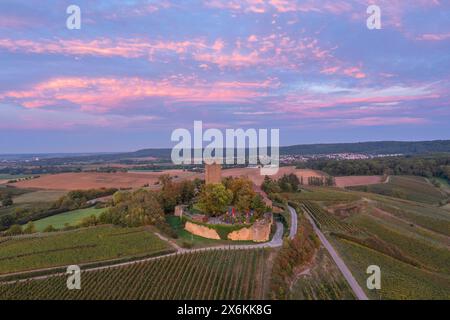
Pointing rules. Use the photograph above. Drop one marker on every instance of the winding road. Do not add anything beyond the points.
(359, 292)
(293, 229)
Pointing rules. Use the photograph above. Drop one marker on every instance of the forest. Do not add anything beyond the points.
(426, 166)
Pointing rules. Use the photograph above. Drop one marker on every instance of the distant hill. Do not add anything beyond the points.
(369, 148)
(378, 147)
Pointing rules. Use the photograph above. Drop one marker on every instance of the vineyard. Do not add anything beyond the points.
(214, 274)
(80, 246)
(326, 221)
(411, 188)
(323, 281)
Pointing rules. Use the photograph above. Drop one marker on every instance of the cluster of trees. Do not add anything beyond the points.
(291, 183)
(37, 169)
(214, 199)
(294, 253)
(175, 193)
(287, 183)
(73, 200)
(29, 228)
(146, 207)
(321, 181)
(426, 166)
(132, 209)
(77, 199)
(129, 208)
(6, 200)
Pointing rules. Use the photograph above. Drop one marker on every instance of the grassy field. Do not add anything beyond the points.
(322, 281)
(218, 274)
(75, 247)
(323, 194)
(39, 196)
(410, 188)
(71, 218)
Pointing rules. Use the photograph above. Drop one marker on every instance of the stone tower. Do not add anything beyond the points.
(213, 173)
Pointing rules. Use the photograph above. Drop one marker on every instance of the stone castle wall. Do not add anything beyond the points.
(201, 231)
(258, 232)
(213, 173)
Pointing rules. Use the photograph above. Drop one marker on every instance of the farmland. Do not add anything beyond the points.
(39, 196)
(328, 195)
(326, 221)
(71, 218)
(79, 246)
(409, 188)
(139, 178)
(408, 240)
(426, 216)
(257, 178)
(432, 255)
(97, 180)
(399, 280)
(348, 181)
(214, 274)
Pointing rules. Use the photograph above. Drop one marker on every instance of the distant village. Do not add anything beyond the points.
(287, 159)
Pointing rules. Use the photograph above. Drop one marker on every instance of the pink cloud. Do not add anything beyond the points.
(434, 37)
(385, 121)
(317, 100)
(102, 94)
(276, 50)
(354, 72)
(127, 48)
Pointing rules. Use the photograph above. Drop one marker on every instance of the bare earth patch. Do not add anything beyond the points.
(95, 180)
(349, 181)
(137, 179)
(254, 173)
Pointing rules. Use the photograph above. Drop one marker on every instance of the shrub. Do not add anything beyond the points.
(187, 244)
(14, 230)
(30, 228)
(49, 228)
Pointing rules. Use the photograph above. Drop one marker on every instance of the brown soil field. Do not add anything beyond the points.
(254, 173)
(95, 180)
(348, 181)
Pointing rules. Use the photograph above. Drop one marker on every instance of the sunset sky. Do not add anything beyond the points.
(139, 69)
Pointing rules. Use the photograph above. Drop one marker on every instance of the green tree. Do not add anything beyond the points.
(89, 221)
(258, 204)
(49, 228)
(138, 208)
(214, 199)
(8, 201)
(14, 230)
(29, 228)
